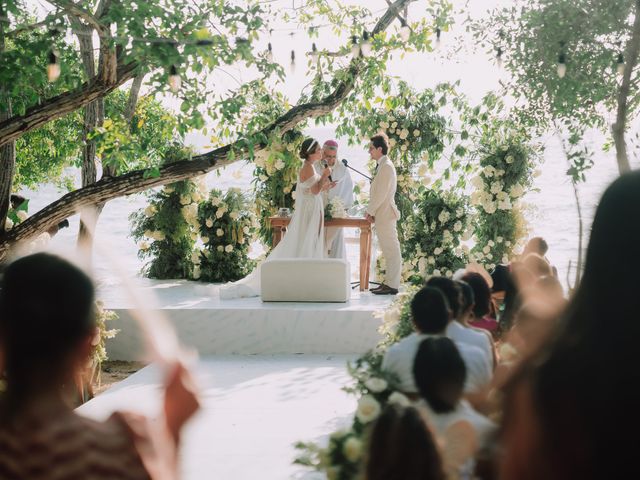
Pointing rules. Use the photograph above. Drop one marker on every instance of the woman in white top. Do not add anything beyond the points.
(305, 233)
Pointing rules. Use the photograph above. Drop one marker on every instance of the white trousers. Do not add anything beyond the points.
(387, 234)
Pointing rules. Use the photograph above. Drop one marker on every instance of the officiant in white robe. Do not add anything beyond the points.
(334, 236)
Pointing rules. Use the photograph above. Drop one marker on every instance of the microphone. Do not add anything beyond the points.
(326, 165)
(346, 164)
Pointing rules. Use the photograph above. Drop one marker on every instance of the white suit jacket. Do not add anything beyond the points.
(382, 202)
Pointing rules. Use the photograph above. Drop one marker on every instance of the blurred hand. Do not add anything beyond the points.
(329, 185)
(180, 399)
(326, 172)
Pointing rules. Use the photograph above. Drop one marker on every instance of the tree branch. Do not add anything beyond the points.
(618, 129)
(62, 104)
(73, 9)
(33, 26)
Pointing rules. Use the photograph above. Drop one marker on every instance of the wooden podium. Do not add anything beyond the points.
(279, 227)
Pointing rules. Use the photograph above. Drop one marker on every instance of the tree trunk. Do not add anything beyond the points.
(8, 150)
(88, 219)
(619, 127)
(109, 188)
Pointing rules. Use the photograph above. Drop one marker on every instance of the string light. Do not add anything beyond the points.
(53, 67)
(355, 48)
(175, 82)
(269, 53)
(314, 54)
(405, 31)
(438, 33)
(499, 59)
(365, 47)
(561, 67)
(620, 65)
(293, 61)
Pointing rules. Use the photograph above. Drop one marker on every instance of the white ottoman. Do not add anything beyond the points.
(305, 280)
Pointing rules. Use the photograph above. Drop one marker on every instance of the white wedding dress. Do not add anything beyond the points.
(304, 239)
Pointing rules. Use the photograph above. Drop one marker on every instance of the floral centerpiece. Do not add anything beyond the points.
(335, 209)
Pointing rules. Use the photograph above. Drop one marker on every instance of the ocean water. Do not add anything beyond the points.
(551, 214)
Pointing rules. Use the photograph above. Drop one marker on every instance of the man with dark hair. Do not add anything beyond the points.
(383, 212)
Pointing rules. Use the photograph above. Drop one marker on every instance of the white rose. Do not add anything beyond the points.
(448, 274)
(158, 235)
(431, 260)
(491, 243)
(404, 134)
(437, 251)
(22, 215)
(352, 449)
(398, 398)
(416, 133)
(228, 248)
(489, 207)
(185, 199)
(499, 239)
(205, 239)
(195, 257)
(394, 125)
(505, 259)
(392, 142)
(209, 222)
(246, 230)
(516, 191)
(194, 236)
(504, 205)
(234, 215)
(148, 233)
(509, 159)
(144, 246)
(436, 273)
(263, 177)
(444, 216)
(168, 190)
(376, 385)
(286, 189)
(220, 248)
(368, 409)
(496, 187)
(486, 249)
(279, 165)
(457, 226)
(215, 201)
(384, 125)
(219, 232)
(219, 213)
(403, 148)
(507, 243)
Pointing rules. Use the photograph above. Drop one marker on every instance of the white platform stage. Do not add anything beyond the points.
(247, 326)
(254, 409)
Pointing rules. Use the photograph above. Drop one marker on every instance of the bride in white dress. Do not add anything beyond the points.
(305, 233)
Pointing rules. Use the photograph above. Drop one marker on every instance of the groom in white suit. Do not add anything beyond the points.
(383, 212)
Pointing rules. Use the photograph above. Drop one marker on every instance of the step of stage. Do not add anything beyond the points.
(247, 326)
(254, 408)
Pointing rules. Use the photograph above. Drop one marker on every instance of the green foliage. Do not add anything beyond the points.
(168, 228)
(432, 243)
(590, 33)
(506, 168)
(275, 176)
(227, 226)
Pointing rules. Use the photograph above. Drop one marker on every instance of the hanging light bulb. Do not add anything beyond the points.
(269, 53)
(355, 48)
(562, 65)
(405, 31)
(315, 56)
(175, 82)
(620, 64)
(499, 59)
(293, 61)
(438, 33)
(53, 67)
(365, 47)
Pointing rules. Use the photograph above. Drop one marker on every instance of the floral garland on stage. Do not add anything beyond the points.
(342, 458)
(227, 227)
(506, 174)
(434, 235)
(275, 177)
(167, 229)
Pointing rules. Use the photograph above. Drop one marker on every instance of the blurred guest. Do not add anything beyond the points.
(569, 407)
(47, 323)
(482, 309)
(402, 447)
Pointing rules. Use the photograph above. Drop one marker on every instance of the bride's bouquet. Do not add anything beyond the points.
(335, 209)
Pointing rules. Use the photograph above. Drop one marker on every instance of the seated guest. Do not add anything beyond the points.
(47, 324)
(440, 373)
(482, 303)
(431, 314)
(402, 447)
(460, 330)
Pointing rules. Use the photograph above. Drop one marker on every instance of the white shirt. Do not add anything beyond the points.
(459, 333)
(399, 358)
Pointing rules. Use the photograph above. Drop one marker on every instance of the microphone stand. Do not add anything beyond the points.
(346, 164)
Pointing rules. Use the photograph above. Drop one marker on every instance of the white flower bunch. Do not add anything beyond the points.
(376, 385)
(336, 208)
(150, 211)
(368, 409)
(444, 216)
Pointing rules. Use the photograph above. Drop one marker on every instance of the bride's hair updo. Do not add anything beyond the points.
(308, 147)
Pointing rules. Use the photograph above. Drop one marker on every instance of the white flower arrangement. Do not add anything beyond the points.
(336, 208)
(368, 409)
(376, 385)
